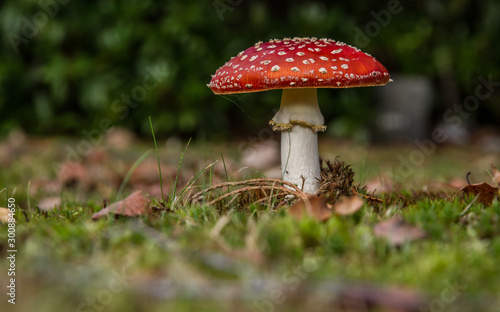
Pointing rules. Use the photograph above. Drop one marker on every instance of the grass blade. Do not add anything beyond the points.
(157, 158)
(225, 170)
(129, 173)
(174, 187)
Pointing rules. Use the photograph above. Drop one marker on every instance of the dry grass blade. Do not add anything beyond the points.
(495, 174)
(268, 189)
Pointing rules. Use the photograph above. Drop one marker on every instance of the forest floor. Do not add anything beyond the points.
(422, 238)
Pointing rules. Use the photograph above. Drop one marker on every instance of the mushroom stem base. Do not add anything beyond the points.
(300, 162)
(299, 119)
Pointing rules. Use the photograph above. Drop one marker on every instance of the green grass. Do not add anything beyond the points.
(176, 260)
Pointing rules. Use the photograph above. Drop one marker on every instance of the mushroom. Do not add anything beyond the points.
(298, 66)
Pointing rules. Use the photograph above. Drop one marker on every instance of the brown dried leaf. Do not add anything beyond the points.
(74, 173)
(380, 185)
(347, 205)
(315, 207)
(49, 203)
(147, 173)
(397, 231)
(486, 192)
(133, 206)
(4, 215)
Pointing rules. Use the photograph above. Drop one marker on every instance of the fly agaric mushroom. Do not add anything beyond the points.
(299, 66)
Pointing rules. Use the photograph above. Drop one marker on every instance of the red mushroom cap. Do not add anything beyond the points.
(298, 63)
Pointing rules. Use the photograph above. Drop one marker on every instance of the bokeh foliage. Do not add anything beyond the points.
(76, 63)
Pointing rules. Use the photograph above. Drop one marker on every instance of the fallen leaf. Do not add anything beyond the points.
(486, 192)
(347, 205)
(496, 174)
(4, 215)
(49, 203)
(148, 173)
(397, 231)
(45, 186)
(315, 207)
(455, 183)
(133, 206)
(74, 173)
(380, 185)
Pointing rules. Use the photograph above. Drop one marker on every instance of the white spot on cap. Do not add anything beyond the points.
(300, 53)
(334, 67)
(281, 53)
(338, 83)
(258, 49)
(295, 69)
(303, 79)
(265, 62)
(311, 60)
(336, 51)
(306, 62)
(317, 49)
(323, 70)
(344, 66)
(323, 58)
(239, 76)
(289, 59)
(275, 68)
(243, 57)
(292, 83)
(236, 66)
(253, 58)
(321, 79)
(272, 46)
(291, 48)
(248, 85)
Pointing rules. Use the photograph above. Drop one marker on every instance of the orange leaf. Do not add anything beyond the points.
(133, 206)
(348, 205)
(315, 207)
(397, 231)
(486, 192)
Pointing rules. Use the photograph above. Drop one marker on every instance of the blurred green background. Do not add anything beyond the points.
(65, 66)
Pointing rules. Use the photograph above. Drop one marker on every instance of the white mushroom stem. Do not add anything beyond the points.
(299, 119)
